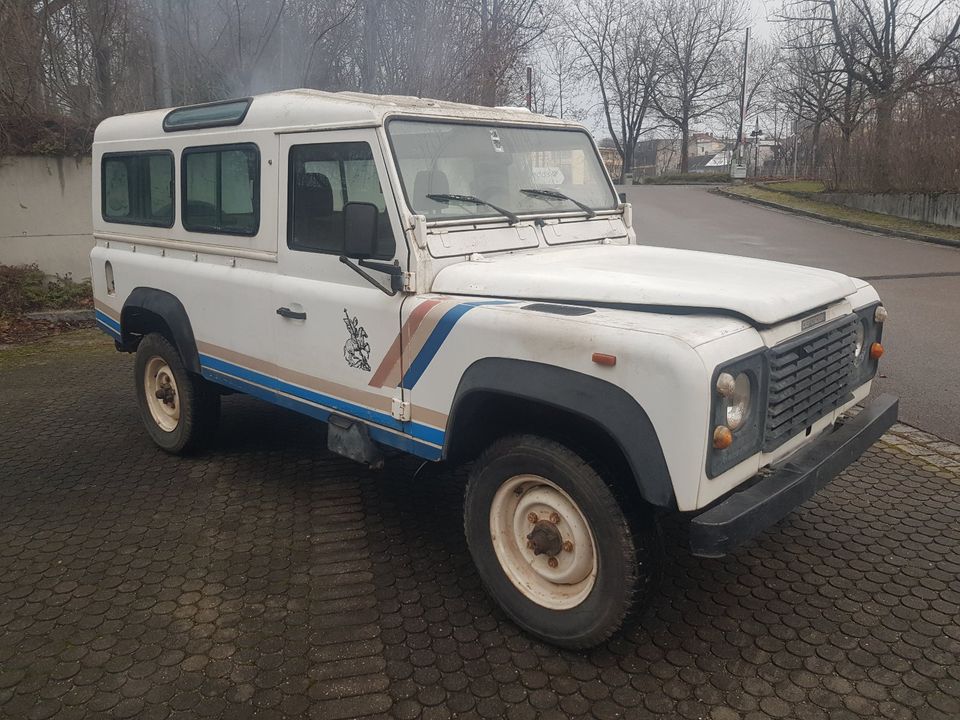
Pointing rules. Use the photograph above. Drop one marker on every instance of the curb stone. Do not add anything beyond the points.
(935, 453)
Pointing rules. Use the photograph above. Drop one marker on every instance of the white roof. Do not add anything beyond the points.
(304, 108)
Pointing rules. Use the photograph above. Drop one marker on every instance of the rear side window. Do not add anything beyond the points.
(137, 188)
(221, 189)
(323, 178)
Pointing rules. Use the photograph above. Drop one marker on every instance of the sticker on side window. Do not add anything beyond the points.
(495, 140)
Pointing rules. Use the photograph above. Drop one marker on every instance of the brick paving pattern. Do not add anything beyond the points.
(270, 579)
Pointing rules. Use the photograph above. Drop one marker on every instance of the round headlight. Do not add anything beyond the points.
(738, 403)
(859, 339)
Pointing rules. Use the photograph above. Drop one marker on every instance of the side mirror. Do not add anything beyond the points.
(360, 225)
(622, 196)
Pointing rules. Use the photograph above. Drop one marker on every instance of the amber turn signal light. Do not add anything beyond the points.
(876, 350)
(604, 359)
(722, 437)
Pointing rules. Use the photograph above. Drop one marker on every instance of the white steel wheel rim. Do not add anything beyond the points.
(557, 581)
(163, 398)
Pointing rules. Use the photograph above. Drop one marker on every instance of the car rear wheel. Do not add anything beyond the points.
(553, 546)
(180, 410)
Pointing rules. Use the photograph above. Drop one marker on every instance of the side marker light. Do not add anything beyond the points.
(722, 437)
(604, 359)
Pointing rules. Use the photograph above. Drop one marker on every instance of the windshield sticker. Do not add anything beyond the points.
(495, 139)
(356, 351)
(548, 175)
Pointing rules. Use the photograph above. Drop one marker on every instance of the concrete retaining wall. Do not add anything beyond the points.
(45, 214)
(938, 209)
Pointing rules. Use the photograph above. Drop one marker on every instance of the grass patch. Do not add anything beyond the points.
(84, 341)
(26, 288)
(797, 186)
(840, 213)
(685, 179)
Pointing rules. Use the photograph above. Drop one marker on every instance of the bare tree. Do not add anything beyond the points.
(620, 46)
(508, 28)
(558, 76)
(759, 97)
(892, 47)
(699, 67)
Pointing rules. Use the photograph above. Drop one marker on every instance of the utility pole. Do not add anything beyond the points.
(796, 143)
(756, 149)
(529, 88)
(743, 100)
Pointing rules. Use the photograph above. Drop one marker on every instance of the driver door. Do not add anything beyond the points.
(333, 328)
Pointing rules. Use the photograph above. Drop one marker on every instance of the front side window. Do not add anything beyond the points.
(323, 179)
(221, 189)
(137, 188)
(519, 169)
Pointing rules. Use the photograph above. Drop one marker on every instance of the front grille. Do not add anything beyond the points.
(809, 377)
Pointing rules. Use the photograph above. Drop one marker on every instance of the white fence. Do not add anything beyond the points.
(45, 214)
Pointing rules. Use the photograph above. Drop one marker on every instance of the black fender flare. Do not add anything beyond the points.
(144, 302)
(606, 405)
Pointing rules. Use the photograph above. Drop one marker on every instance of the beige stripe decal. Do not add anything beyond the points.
(106, 310)
(341, 392)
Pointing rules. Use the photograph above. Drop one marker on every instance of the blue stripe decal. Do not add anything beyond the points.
(439, 334)
(401, 442)
(115, 334)
(108, 321)
(422, 432)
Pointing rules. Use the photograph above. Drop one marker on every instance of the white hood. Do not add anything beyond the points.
(766, 292)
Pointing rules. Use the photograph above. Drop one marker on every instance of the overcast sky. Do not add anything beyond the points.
(760, 27)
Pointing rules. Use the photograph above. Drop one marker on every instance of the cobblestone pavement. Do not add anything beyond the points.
(270, 579)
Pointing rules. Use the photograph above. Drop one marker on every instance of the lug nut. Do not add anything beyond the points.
(554, 518)
(552, 562)
(532, 518)
(567, 546)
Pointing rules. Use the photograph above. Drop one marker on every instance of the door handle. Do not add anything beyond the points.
(292, 314)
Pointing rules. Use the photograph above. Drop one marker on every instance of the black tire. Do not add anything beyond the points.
(199, 401)
(627, 547)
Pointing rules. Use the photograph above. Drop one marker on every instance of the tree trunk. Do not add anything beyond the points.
(814, 148)
(368, 73)
(628, 152)
(98, 13)
(884, 169)
(488, 53)
(684, 148)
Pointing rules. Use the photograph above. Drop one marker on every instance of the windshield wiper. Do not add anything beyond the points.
(472, 200)
(556, 195)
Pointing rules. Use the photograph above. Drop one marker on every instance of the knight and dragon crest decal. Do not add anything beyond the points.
(356, 350)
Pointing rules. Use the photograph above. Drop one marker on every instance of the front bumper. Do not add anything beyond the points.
(746, 513)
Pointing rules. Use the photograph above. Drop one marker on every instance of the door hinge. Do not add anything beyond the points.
(400, 410)
(409, 282)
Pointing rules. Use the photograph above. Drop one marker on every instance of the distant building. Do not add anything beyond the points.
(661, 156)
(611, 158)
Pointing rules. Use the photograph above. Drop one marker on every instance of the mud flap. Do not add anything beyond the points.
(352, 440)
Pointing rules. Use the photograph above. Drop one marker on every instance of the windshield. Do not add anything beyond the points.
(499, 166)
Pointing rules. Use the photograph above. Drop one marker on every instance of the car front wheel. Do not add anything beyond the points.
(553, 546)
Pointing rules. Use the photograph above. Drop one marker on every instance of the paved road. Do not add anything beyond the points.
(268, 579)
(922, 338)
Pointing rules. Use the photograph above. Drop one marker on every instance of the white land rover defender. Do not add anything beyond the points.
(463, 283)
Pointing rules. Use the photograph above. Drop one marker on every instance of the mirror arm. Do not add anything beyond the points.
(394, 270)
